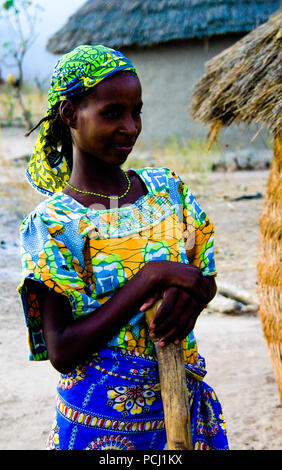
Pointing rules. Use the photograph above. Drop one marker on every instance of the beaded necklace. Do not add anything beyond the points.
(102, 195)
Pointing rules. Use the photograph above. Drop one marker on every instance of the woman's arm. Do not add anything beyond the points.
(69, 342)
(178, 312)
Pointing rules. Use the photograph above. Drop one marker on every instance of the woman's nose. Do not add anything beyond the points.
(130, 126)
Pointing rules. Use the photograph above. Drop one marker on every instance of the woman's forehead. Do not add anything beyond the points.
(122, 84)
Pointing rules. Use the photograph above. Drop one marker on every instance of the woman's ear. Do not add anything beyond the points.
(68, 113)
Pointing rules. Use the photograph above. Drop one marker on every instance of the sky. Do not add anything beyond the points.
(38, 62)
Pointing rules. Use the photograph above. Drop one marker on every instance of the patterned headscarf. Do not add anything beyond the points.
(74, 73)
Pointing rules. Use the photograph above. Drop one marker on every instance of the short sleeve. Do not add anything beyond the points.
(47, 257)
(198, 230)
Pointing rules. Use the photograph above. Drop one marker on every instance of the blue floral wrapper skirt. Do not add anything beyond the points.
(113, 402)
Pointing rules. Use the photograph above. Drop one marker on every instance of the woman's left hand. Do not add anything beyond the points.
(175, 317)
(177, 314)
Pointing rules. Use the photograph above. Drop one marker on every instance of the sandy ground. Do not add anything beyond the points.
(234, 346)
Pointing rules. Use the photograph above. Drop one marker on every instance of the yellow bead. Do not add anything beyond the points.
(103, 195)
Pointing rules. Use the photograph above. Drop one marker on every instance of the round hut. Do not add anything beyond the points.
(169, 42)
(244, 84)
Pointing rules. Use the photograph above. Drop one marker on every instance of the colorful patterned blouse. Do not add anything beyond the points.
(88, 254)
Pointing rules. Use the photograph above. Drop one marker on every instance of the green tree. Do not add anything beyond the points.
(21, 17)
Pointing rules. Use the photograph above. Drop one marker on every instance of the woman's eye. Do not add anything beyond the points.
(137, 112)
(116, 113)
(111, 113)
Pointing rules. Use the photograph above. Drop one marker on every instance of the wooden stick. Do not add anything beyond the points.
(173, 391)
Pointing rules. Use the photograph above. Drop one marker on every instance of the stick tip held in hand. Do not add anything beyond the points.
(151, 312)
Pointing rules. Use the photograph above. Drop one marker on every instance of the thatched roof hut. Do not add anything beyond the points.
(244, 83)
(168, 41)
(131, 23)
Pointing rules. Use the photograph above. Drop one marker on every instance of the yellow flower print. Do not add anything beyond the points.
(67, 381)
(53, 438)
(133, 400)
(222, 423)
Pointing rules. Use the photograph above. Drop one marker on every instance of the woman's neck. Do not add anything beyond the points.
(96, 175)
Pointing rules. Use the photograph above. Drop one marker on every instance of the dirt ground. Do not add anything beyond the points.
(234, 346)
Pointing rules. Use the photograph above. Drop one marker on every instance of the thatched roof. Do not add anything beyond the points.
(244, 82)
(131, 23)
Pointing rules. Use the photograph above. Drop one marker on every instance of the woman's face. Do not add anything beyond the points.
(108, 122)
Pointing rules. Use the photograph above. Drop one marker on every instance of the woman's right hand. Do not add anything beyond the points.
(164, 274)
(184, 292)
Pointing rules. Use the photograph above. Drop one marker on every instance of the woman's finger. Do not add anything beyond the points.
(171, 311)
(168, 338)
(150, 301)
(166, 309)
(187, 322)
(175, 330)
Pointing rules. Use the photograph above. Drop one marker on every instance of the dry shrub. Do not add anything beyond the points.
(243, 83)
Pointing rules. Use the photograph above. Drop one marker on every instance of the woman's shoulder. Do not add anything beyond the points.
(34, 213)
(154, 171)
(165, 181)
(53, 211)
(159, 179)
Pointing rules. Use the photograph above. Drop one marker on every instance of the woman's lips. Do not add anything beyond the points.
(123, 147)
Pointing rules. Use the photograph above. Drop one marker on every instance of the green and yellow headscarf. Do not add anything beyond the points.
(74, 73)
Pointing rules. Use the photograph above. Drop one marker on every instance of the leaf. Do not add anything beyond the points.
(8, 4)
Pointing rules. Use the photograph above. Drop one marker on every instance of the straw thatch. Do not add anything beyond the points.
(135, 23)
(244, 82)
(270, 264)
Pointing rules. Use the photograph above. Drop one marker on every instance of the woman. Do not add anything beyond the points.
(99, 252)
